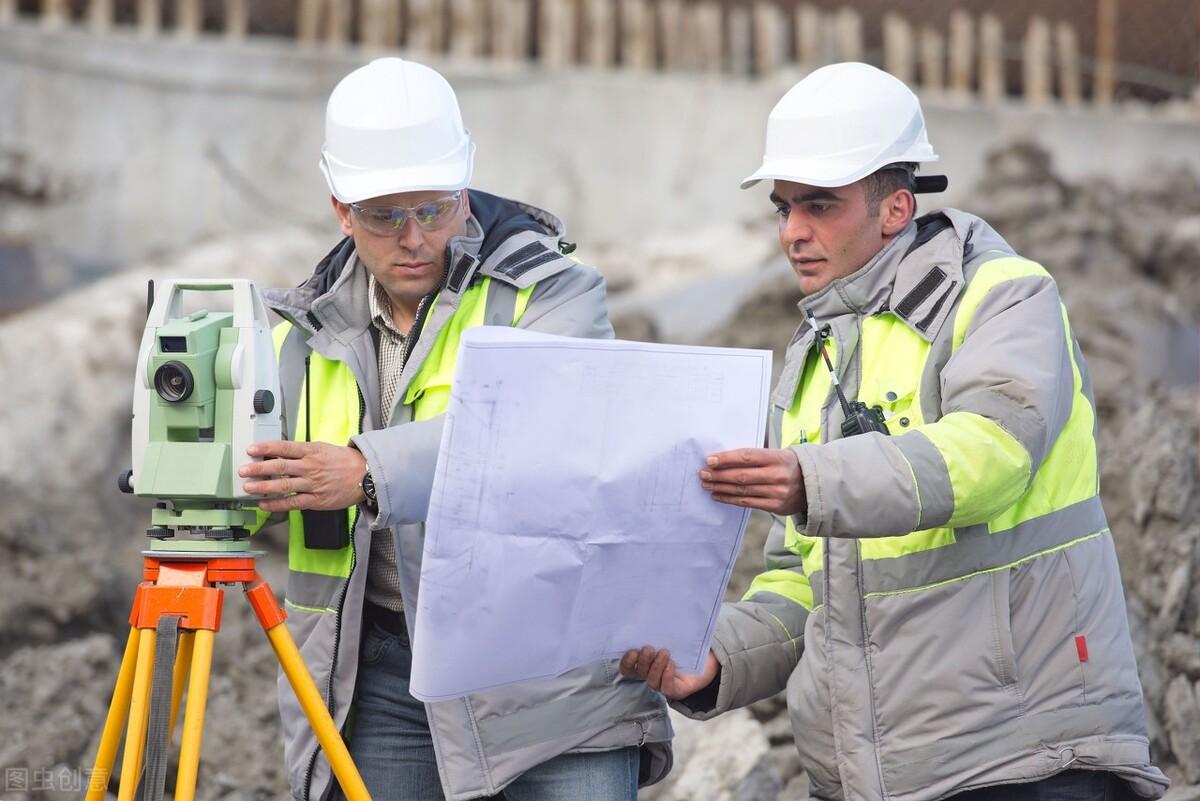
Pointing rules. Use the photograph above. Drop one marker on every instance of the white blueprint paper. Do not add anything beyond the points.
(567, 522)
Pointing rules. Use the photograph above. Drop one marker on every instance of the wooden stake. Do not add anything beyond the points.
(933, 59)
(237, 19)
(991, 58)
(898, 46)
(848, 24)
(962, 52)
(187, 18)
(1105, 80)
(1035, 65)
(1067, 50)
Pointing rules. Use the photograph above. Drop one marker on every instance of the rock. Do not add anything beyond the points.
(1183, 726)
(1181, 654)
(786, 760)
(1183, 793)
(53, 699)
(796, 789)
(724, 759)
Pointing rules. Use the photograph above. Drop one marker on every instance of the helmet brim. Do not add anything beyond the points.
(350, 185)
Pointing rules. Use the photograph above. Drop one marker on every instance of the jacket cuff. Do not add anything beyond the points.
(402, 461)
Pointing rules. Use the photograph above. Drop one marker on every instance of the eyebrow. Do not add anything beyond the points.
(816, 194)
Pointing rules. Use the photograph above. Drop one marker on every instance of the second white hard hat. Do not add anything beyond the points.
(394, 126)
(840, 124)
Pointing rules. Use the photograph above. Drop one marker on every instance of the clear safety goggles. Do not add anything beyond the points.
(430, 215)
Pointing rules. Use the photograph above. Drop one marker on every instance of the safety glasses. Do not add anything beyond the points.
(429, 215)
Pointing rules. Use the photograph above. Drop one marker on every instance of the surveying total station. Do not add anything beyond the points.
(206, 387)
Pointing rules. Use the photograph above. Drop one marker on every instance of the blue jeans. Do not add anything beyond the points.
(392, 747)
(1070, 785)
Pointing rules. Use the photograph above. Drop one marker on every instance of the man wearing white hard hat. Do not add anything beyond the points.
(366, 358)
(941, 598)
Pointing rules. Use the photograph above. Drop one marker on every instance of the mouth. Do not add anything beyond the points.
(802, 263)
(412, 265)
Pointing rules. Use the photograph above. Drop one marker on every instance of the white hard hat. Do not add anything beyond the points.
(840, 124)
(394, 126)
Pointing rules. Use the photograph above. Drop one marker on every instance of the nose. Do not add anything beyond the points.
(410, 235)
(794, 228)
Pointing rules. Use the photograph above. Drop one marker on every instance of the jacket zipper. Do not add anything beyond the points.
(337, 635)
(409, 343)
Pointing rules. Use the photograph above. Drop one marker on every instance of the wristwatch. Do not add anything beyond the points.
(367, 485)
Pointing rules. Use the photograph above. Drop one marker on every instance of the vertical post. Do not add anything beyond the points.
(769, 45)
(962, 52)
(379, 24)
(337, 31)
(670, 28)
(424, 26)
(99, 16)
(741, 41)
(1104, 84)
(1067, 50)
(510, 31)
(598, 33)
(848, 24)
(187, 18)
(991, 58)
(1035, 64)
(708, 39)
(469, 20)
(54, 14)
(308, 20)
(898, 46)
(808, 35)
(637, 35)
(149, 19)
(556, 32)
(237, 19)
(933, 59)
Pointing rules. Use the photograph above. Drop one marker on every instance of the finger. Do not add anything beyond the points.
(271, 467)
(654, 677)
(669, 677)
(741, 457)
(302, 500)
(645, 660)
(285, 485)
(745, 490)
(629, 663)
(281, 447)
(765, 504)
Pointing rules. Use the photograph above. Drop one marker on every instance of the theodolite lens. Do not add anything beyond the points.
(173, 382)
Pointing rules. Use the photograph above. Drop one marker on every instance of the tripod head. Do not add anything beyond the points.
(206, 387)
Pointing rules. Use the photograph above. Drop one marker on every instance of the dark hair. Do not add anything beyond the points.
(885, 181)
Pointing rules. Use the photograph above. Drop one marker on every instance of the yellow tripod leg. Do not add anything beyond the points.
(193, 716)
(183, 664)
(139, 709)
(318, 715)
(118, 710)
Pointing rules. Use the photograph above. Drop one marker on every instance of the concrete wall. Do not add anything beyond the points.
(114, 148)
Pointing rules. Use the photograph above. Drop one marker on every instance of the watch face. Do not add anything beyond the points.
(368, 487)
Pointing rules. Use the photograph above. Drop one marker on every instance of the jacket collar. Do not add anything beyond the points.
(334, 298)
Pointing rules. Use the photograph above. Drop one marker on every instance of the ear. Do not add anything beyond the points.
(343, 214)
(896, 211)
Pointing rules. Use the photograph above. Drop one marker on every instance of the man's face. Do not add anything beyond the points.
(829, 233)
(406, 259)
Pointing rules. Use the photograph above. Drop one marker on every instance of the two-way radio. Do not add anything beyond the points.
(860, 418)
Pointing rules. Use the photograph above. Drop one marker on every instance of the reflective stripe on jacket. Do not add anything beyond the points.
(506, 271)
(949, 613)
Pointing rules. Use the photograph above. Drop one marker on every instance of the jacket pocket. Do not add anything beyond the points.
(943, 675)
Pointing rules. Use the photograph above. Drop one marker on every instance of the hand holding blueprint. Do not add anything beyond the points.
(567, 522)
